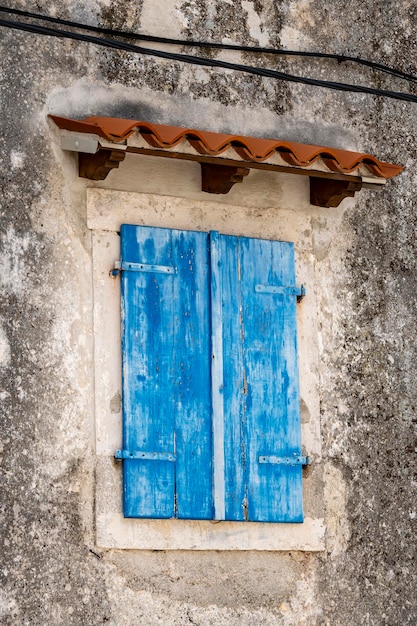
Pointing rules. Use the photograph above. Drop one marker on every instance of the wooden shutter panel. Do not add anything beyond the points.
(166, 360)
(256, 286)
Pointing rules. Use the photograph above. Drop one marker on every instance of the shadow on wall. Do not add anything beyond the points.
(84, 98)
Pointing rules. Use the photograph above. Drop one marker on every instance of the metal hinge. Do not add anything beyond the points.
(147, 456)
(283, 290)
(296, 459)
(123, 266)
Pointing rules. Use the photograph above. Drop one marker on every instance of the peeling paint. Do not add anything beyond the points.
(116, 403)
(338, 533)
(4, 349)
(18, 251)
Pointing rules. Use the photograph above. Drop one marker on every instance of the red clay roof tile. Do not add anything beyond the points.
(253, 149)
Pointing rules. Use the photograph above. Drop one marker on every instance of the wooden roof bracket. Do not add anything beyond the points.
(97, 166)
(218, 175)
(218, 178)
(327, 192)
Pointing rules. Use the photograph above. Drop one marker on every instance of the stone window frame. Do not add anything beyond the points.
(106, 211)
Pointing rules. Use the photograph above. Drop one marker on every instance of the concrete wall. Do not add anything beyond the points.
(54, 570)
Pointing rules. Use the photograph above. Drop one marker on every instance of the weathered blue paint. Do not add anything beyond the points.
(166, 392)
(192, 362)
(261, 396)
(217, 381)
(210, 380)
(272, 403)
(233, 377)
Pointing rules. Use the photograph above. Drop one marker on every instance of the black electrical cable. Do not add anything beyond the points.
(217, 46)
(194, 60)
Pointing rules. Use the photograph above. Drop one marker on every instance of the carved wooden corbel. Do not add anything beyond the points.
(97, 166)
(327, 192)
(217, 178)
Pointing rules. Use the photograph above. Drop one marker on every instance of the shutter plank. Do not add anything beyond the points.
(235, 466)
(192, 362)
(148, 379)
(217, 378)
(270, 361)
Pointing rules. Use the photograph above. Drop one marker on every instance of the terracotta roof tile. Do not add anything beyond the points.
(248, 148)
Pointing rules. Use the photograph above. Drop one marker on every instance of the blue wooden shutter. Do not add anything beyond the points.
(166, 357)
(210, 377)
(255, 313)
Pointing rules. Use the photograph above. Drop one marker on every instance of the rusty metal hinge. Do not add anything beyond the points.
(283, 290)
(123, 266)
(147, 456)
(296, 459)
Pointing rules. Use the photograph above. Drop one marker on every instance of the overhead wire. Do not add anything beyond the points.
(201, 61)
(340, 58)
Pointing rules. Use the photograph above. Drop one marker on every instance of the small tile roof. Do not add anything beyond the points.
(250, 149)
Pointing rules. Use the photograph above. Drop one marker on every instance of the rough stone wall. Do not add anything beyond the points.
(51, 571)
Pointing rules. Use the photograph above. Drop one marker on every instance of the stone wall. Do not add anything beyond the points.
(364, 254)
